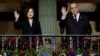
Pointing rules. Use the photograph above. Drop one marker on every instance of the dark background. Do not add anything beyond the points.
(9, 15)
(93, 16)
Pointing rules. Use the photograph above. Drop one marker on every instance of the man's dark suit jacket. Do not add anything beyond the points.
(81, 27)
(27, 29)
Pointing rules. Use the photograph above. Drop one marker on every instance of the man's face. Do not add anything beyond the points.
(74, 8)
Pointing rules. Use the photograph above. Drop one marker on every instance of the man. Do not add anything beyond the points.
(77, 24)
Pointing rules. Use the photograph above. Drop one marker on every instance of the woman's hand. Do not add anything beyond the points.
(16, 14)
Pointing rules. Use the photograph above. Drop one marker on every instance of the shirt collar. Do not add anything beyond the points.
(77, 14)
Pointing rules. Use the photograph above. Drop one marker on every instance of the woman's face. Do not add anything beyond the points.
(30, 13)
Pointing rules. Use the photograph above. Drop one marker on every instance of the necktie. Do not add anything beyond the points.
(75, 19)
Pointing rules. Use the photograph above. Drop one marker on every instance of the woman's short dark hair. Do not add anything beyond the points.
(65, 5)
(27, 10)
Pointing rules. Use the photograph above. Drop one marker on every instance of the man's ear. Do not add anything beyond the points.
(78, 9)
(68, 9)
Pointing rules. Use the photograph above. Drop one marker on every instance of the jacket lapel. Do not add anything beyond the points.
(72, 18)
(80, 17)
(28, 23)
(33, 23)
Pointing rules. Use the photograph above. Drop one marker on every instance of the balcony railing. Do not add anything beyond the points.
(17, 45)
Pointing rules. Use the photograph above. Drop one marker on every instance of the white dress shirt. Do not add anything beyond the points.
(77, 16)
(30, 21)
(63, 17)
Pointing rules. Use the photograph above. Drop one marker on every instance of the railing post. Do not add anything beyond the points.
(17, 38)
(2, 44)
(30, 43)
(37, 44)
(90, 45)
(78, 45)
(98, 47)
(71, 42)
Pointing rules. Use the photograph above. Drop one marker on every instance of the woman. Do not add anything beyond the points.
(29, 25)
(62, 25)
